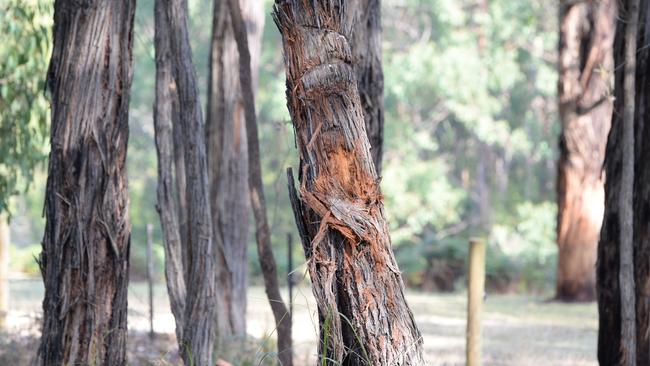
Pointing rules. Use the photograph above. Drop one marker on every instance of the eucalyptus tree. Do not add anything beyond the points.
(586, 66)
(227, 153)
(85, 257)
(363, 315)
(623, 271)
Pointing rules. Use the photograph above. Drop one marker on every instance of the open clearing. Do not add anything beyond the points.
(519, 330)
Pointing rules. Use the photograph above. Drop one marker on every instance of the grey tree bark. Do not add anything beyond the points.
(199, 313)
(363, 314)
(586, 66)
(623, 269)
(256, 191)
(166, 128)
(227, 151)
(363, 19)
(626, 278)
(85, 257)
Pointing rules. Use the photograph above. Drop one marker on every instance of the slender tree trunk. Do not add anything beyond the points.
(626, 269)
(585, 103)
(228, 162)
(623, 270)
(256, 192)
(85, 255)
(363, 18)
(199, 312)
(364, 318)
(179, 175)
(165, 116)
(4, 270)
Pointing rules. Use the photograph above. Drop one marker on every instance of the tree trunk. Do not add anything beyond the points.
(256, 192)
(228, 162)
(4, 270)
(165, 116)
(363, 17)
(585, 103)
(613, 255)
(199, 312)
(363, 315)
(85, 255)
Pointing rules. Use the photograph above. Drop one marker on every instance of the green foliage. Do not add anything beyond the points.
(23, 259)
(25, 28)
(530, 239)
(470, 136)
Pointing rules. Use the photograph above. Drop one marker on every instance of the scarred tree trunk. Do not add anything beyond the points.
(364, 318)
(85, 255)
(585, 103)
(228, 162)
(624, 247)
(363, 19)
(199, 267)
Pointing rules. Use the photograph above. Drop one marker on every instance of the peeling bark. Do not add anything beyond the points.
(615, 343)
(198, 318)
(363, 315)
(85, 254)
(228, 162)
(256, 191)
(585, 103)
(364, 20)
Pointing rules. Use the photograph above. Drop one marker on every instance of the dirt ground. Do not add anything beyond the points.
(519, 330)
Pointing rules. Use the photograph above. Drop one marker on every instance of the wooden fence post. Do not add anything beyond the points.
(475, 292)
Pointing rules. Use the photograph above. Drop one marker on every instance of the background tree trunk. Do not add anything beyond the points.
(610, 343)
(199, 312)
(85, 255)
(228, 161)
(585, 103)
(363, 18)
(364, 318)
(165, 116)
(256, 192)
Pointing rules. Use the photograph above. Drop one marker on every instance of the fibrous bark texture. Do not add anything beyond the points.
(256, 192)
(199, 267)
(228, 162)
(585, 103)
(166, 126)
(614, 348)
(364, 318)
(363, 19)
(85, 255)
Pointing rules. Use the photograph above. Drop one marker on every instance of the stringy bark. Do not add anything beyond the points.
(85, 258)
(612, 350)
(363, 314)
(227, 149)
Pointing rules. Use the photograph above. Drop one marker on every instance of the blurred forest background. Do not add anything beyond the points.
(471, 131)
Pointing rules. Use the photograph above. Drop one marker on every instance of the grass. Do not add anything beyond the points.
(518, 330)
